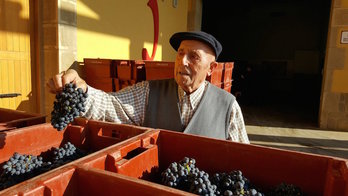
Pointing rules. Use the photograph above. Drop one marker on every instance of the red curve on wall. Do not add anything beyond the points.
(154, 8)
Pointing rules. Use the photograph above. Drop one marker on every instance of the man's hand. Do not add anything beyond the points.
(57, 82)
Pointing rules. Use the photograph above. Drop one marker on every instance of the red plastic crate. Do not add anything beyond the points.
(99, 68)
(124, 69)
(81, 181)
(216, 77)
(12, 119)
(228, 69)
(227, 86)
(89, 136)
(265, 167)
(105, 84)
(156, 70)
(138, 67)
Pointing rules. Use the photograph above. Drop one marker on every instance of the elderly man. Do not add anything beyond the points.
(187, 103)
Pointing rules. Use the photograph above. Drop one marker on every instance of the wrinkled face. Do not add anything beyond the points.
(194, 62)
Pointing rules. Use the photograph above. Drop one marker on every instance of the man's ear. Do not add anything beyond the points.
(212, 67)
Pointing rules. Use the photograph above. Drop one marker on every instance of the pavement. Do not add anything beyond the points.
(292, 127)
(323, 142)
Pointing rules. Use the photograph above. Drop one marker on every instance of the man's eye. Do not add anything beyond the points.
(194, 57)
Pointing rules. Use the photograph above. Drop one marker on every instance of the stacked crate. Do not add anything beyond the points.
(227, 73)
(222, 75)
(138, 70)
(100, 74)
(12, 119)
(125, 73)
(156, 70)
(111, 75)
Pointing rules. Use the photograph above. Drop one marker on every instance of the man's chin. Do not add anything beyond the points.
(184, 80)
(181, 82)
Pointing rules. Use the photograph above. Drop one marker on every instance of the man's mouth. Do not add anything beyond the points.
(183, 73)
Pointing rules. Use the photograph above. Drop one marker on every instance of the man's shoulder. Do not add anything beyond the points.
(220, 93)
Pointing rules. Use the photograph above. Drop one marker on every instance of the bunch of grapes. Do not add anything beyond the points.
(201, 185)
(69, 104)
(21, 164)
(67, 150)
(21, 167)
(186, 176)
(233, 183)
(176, 175)
(67, 153)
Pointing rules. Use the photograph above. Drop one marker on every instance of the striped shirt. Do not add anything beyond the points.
(128, 105)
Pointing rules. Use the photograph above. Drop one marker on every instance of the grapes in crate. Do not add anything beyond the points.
(21, 164)
(21, 167)
(69, 104)
(184, 175)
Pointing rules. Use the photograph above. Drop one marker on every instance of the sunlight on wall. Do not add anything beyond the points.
(149, 46)
(85, 11)
(339, 77)
(340, 81)
(120, 29)
(101, 45)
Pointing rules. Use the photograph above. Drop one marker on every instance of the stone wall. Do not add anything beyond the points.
(57, 39)
(334, 99)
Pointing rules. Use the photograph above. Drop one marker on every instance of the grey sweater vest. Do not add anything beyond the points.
(211, 118)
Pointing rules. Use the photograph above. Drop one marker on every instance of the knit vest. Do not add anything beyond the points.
(211, 118)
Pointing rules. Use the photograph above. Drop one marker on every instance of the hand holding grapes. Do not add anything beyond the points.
(71, 96)
(57, 82)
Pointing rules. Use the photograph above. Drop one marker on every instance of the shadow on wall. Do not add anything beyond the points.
(139, 23)
(12, 12)
(108, 22)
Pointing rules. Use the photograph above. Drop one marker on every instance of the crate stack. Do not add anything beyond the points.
(222, 75)
(12, 119)
(127, 73)
(156, 70)
(139, 70)
(111, 75)
(100, 74)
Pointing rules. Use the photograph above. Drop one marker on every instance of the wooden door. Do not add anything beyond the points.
(17, 70)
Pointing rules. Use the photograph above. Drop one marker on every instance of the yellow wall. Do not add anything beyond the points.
(119, 29)
(340, 76)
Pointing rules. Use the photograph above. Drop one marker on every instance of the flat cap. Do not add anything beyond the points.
(177, 38)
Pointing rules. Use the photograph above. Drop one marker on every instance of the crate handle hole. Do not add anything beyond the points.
(134, 153)
(115, 134)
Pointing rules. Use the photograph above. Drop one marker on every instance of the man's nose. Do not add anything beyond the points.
(185, 60)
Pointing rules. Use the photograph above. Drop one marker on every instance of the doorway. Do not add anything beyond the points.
(278, 48)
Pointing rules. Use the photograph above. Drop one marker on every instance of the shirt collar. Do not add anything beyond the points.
(194, 97)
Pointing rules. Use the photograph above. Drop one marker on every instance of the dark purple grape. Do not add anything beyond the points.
(69, 104)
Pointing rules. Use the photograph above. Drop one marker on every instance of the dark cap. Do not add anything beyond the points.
(177, 38)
